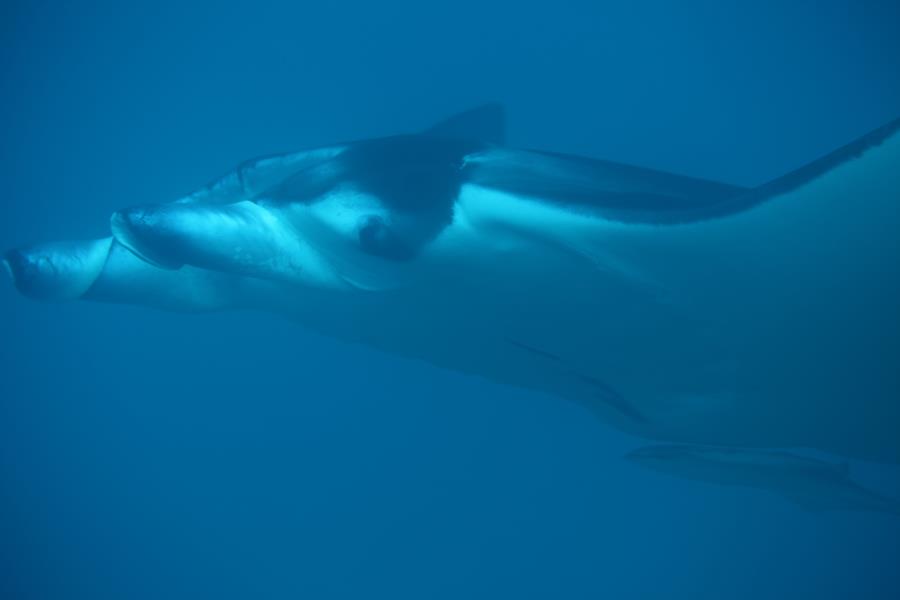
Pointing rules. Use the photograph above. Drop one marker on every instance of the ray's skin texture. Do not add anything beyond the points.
(677, 309)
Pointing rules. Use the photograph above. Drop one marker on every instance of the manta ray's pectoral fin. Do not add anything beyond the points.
(635, 195)
(598, 188)
(241, 239)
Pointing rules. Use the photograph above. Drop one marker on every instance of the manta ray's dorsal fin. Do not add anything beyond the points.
(485, 123)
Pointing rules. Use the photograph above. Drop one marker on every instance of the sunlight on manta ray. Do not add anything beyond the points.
(677, 309)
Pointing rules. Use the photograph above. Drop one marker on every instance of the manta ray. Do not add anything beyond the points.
(677, 309)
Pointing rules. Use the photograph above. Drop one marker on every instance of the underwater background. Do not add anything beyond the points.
(235, 455)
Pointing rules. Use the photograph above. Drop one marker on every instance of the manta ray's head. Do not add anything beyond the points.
(356, 218)
(353, 217)
(343, 239)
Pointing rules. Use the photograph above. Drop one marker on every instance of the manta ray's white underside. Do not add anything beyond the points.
(773, 326)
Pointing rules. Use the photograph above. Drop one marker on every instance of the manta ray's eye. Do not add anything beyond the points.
(375, 237)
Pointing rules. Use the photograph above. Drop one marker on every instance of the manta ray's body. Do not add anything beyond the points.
(678, 309)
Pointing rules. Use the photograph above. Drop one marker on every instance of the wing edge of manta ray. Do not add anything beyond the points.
(794, 180)
(619, 192)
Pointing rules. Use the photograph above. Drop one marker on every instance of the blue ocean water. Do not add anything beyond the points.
(154, 455)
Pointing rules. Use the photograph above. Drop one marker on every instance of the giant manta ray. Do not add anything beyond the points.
(677, 309)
